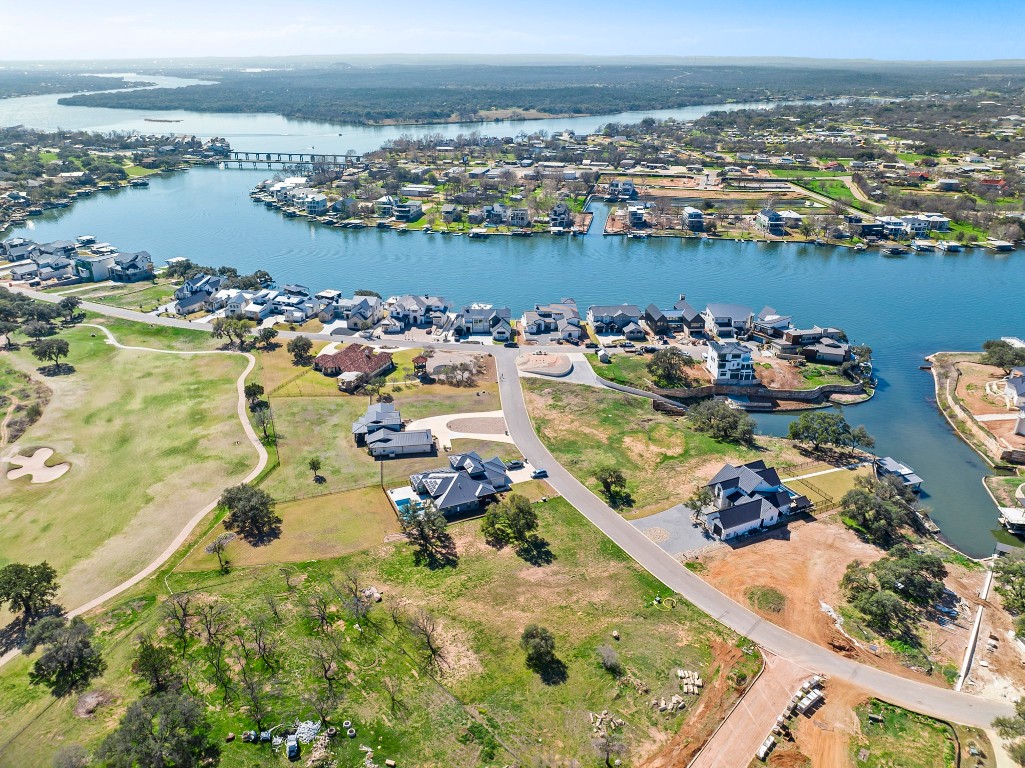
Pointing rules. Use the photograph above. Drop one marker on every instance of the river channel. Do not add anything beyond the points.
(904, 308)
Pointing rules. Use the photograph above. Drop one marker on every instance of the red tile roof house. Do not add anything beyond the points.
(354, 365)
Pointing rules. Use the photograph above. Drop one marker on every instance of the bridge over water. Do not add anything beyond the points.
(238, 159)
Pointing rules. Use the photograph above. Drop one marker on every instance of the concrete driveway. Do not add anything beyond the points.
(674, 532)
(486, 425)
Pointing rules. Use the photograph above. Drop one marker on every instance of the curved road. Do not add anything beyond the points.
(920, 697)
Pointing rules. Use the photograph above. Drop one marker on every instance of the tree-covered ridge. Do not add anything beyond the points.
(437, 93)
(14, 83)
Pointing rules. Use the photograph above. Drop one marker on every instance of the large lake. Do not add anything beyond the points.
(905, 308)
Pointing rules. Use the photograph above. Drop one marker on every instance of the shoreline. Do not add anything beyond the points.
(944, 399)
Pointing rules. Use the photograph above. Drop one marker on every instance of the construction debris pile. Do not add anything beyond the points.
(604, 722)
(306, 731)
(690, 681)
(319, 756)
(691, 685)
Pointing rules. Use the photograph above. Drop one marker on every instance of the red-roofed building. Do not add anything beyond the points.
(354, 364)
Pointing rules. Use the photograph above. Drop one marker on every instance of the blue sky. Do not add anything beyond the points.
(876, 29)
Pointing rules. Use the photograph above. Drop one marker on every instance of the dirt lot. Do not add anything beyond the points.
(971, 389)
(745, 729)
(825, 737)
(1003, 676)
(806, 563)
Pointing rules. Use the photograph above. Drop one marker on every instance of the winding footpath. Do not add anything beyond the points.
(196, 519)
(911, 694)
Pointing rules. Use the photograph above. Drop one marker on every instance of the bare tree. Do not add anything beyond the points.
(255, 694)
(178, 616)
(220, 671)
(272, 604)
(218, 545)
(287, 574)
(325, 657)
(319, 609)
(424, 627)
(263, 641)
(608, 744)
(323, 700)
(393, 687)
(213, 617)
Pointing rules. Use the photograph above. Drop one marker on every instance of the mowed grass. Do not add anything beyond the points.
(662, 457)
(144, 297)
(904, 739)
(318, 528)
(322, 427)
(829, 488)
(588, 590)
(631, 370)
(312, 418)
(138, 170)
(151, 438)
(142, 334)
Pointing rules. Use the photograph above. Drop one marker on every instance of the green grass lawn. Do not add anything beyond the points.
(322, 427)
(318, 528)
(151, 439)
(484, 707)
(143, 297)
(828, 488)
(662, 457)
(834, 189)
(631, 370)
(140, 334)
(903, 738)
(137, 170)
(818, 375)
(798, 173)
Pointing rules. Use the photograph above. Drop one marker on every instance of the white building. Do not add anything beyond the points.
(729, 363)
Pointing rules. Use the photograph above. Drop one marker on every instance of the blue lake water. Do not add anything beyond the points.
(905, 308)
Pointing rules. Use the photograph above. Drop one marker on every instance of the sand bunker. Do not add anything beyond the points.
(35, 465)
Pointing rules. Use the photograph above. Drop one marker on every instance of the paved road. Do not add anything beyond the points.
(921, 697)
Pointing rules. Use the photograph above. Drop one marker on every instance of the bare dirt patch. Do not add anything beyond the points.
(805, 563)
(825, 737)
(711, 710)
(971, 388)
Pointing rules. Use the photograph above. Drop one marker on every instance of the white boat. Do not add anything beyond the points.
(949, 246)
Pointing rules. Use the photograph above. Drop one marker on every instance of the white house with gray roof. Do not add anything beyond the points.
(729, 363)
(749, 497)
(727, 321)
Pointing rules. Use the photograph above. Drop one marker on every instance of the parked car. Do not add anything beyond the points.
(511, 344)
(292, 747)
(514, 464)
(649, 349)
(538, 474)
(591, 345)
(628, 345)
